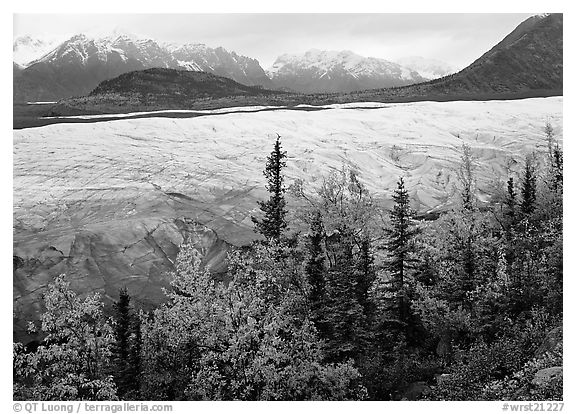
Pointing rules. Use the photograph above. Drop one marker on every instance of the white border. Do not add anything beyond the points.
(299, 6)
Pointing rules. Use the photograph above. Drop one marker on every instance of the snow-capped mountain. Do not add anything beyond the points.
(427, 68)
(337, 71)
(76, 66)
(26, 49)
(82, 50)
(219, 61)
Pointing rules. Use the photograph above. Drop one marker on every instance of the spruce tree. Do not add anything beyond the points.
(400, 248)
(126, 348)
(528, 190)
(273, 223)
(120, 349)
(135, 359)
(510, 203)
(315, 266)
(344, 316)
(315, 270)
(365, 275)
(555, 157)
(467, 215)
(558, 167)
(510, 222)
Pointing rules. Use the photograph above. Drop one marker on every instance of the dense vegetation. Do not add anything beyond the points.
(158, 86)
(367, 304)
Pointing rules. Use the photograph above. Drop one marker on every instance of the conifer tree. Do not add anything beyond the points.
(273, 223)
(510, 222)
(558, 166)
(126, 348)
(135, 360)
(528, 190)
(510, 203)
(345, 319)
(315, 266)
(315, 270)
(555, 157)
(122, 335)
(400, 248)
(366, 274)
(467, 215)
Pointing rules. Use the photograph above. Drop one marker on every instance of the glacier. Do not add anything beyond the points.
(108, 203)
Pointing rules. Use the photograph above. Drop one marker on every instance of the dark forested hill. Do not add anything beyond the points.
(165, 88)
(173, 84)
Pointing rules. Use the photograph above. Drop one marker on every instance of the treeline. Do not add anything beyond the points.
(366, 304)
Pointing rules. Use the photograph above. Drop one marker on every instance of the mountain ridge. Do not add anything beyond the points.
(318, 71)
(76, 66)
(526, 63)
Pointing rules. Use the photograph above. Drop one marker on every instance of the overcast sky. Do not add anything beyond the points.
(454, 38)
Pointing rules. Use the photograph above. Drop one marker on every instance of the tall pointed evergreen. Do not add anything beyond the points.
(400, 249)
(135, 359)
(510, 203)
(558, 166)
(467, 215)
(344, 316)
(273, 223)
(528, 190)
(315, 266)
(315, 269)
(555, 157)
(126, 349)
(120, 350)
(365, 275)
(509, 224)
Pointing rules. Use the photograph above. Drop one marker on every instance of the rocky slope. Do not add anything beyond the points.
(531, 57)
(109, 203)
(337, 71)
(219, 61)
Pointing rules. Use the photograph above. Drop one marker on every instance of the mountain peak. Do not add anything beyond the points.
(337, 71)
